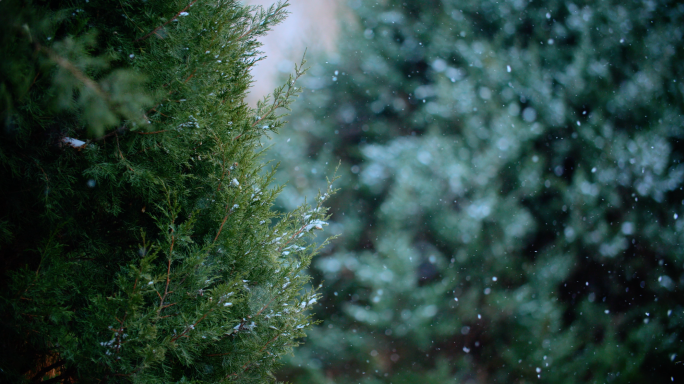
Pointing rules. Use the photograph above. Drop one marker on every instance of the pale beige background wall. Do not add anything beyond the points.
(311, 24)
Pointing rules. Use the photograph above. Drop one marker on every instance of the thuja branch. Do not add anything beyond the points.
(168, 21)
(262, 18)
(123, 159)
(168, 276)
(223, 163)
(282, 100)
(248, 364)
(184, 333)
(229, 211)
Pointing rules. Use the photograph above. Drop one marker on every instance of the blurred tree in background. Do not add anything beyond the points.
(511, 193)
(137, 239)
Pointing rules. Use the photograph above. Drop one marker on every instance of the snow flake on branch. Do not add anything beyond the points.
(73, 142)
(316, 224)
(192, 123)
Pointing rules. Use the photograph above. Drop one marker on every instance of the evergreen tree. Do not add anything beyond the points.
(137, 238)
(511, 193)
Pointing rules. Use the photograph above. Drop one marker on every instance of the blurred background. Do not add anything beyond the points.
(312, 25)
(510, 192)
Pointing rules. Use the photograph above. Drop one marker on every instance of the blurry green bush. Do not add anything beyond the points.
(510, 191)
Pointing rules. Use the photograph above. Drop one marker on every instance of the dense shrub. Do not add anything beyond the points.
(137, 238)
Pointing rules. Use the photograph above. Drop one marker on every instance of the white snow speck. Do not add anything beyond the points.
(508, 68)
(183, 14)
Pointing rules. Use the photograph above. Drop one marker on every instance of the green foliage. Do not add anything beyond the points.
(137, 238)
(511, 193)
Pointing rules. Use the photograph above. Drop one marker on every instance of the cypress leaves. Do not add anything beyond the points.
(137, 238)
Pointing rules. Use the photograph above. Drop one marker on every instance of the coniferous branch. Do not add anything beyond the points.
(223, 166)
(168, 21)
(168, 274)
(223, 222)
(280, 100)
(152, 133)
(123, 159)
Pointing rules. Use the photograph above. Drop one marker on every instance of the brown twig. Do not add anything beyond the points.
(262, 309)
(33, 82)
(229, 212)
(293, 236)
(120, 153)
(193, 326)
(190, 77)
(222, 223)
(168, 276)
(249, 363)
(152, 133)
(128, 17)
(121, 129)
(270, 341)
(169, 305)
(163, 25)
(245, 34)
